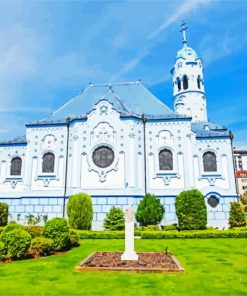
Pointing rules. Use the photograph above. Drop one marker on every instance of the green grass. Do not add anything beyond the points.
(213, 267)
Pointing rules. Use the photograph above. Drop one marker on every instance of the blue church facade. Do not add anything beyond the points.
(118, 142)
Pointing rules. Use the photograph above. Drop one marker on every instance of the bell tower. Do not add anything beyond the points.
(188, 84)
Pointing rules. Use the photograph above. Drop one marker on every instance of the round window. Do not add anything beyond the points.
(103, 157)
(213, 201)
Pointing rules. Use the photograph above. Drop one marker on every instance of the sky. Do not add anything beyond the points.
(51, 50)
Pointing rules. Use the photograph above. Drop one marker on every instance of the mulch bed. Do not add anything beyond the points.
(147, 262)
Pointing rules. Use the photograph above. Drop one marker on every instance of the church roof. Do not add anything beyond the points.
(130, 99)
(17, 140)
(209, 129)
(187, 53)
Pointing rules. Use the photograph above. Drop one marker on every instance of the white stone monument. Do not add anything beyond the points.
(129, 253)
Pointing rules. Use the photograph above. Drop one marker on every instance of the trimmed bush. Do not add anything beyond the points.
(34, 231)
(147, 228)
(41, 246)
(193, 234)
(10, 227)
(17, 242)
(237, 216)
(150, 211)
(170, 227)
(3, 250)
(4, 212)
(114, 219)
(85, 234)
(58, 230)
(74, 238)
(80, 211)
(191, 210)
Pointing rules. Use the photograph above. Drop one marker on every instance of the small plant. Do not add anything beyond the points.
(3, 250)
(191, 210)
(237, 216)
(58, 230)
(114, 219)
(45, 218)
(80, 211)
(18, 217)
(74, 238)
(32, 220)
(4, 212)
(166, 250)
(150, 211)
(41, 246)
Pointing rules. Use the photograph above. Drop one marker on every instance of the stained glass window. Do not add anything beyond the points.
(209, 162)
(15, 167)
(48, 163)
(165, 160)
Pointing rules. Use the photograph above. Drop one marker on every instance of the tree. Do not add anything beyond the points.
(114, 219)
(191, 210)
(150, 211)
(236, 215)
(80, 211)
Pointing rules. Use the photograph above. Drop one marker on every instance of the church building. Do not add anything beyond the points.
(118, 142)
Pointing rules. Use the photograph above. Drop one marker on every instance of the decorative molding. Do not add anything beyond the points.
(13, 181)
(46, 179)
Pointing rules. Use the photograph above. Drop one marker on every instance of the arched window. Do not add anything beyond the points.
(185, 82)
(48, 163)
(209, 162)
(15, 167)
(179, 84)
(199, 81)
(165, 160)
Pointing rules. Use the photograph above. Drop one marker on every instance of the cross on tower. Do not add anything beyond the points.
(183, 30)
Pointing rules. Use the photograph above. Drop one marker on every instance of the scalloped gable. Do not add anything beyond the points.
(130, 98)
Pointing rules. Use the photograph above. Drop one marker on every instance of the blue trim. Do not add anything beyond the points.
(189, 91)
(191, 63)
(169, 119)
(12, 144)
(212, 137)
(37, 125)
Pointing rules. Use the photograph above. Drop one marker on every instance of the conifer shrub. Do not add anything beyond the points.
(17, 243)
(80, 211)
(236, 215)
(150, 211)
(57, 229)
(74, 238)
(4, 212)
(41, 246)
(191, 210)
(114, 219)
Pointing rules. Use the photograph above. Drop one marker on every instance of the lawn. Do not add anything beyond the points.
(213, 267)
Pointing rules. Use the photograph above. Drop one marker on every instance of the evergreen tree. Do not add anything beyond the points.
(114, 219)
(237, 216)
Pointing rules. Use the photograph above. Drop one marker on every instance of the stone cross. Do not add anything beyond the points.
(129, 253)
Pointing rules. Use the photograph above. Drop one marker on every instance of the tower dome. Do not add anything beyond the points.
(188, 84)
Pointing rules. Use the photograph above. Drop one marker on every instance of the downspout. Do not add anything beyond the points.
(66, 166)
(233, 160)
(144, 120)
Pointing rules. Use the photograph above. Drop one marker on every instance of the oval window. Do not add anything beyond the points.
(213, 201)
(103, 157)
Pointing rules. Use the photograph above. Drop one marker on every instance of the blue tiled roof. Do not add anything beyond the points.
(130, 98)
(17, 140)
(209, 129)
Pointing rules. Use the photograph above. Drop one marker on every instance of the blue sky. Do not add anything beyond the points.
(49, 51)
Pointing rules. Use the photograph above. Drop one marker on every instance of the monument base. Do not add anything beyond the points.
(129, 256)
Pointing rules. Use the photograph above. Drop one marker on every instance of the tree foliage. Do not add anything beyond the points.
(237, 216)
(80, 211)
(150, 211)
(4, 212)
(114, 219)
(191, 210)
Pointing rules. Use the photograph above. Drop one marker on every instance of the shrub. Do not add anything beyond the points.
(86, 234)
(4, 212)
(191, 210)
(114, 219)
(58, 230)
(150, 211)
(34, 231)
(80, 211)
(3, 250)
(74, 238)
(41, 246)
(33, 220)
(17, 242)
(9, 227)
(170, 227)
(147, 228)
(237, 216)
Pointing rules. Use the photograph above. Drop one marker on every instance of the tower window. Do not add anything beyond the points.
(15, 167)
(199, 81)
(48, 163)
(165, 160)
(209, 162)
(185, 82)
(178, 83)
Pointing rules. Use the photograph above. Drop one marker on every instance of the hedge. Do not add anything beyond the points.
(84, 234)
(194, 234)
